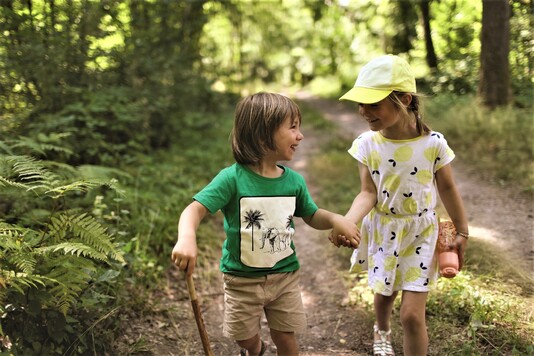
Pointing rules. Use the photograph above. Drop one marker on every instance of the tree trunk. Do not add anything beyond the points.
(494, 86)
(431, 59)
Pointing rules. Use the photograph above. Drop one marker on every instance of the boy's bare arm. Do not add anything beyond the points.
(184, 253)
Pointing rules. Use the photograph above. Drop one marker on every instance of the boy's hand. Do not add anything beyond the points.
(184, 255)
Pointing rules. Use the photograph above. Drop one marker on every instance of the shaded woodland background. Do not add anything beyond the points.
(108, 107)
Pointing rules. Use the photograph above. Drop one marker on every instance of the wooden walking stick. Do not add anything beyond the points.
(198, 315)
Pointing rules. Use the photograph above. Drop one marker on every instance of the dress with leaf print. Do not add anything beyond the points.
(399, 235)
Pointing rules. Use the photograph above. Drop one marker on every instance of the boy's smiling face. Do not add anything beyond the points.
(286, 138)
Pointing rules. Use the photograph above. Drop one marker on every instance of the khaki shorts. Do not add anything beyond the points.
(246, 298)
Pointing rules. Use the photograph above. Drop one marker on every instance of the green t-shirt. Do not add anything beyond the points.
(258, 218)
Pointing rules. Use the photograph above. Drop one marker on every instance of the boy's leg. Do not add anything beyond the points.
(286, 342)
(285, 311)
(243, 308)
(383, 307)
(412, 316)
(252, 345)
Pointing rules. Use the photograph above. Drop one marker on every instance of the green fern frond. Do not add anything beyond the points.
(21, 281)
(71, 279)
(75, 248)
(28, 168)
(27, 173)
(77, 186)
(71, 271)
(31, 174)
(16, 244)
(39, 147)
(88, 230)
(9, 234)
(24, 261)
(9, 183)
(65, 292)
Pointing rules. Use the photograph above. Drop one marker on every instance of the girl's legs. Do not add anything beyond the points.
(412, 316)
(252, 345)
(382, 333)
(383, 308)
(286, 343)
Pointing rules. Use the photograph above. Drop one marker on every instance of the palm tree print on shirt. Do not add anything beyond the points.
(290, 230)
(253, 218)
(289, 222)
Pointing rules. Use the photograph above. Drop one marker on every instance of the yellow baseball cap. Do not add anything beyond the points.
(379, 78)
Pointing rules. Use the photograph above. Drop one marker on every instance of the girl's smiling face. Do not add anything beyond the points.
(286, 138)
(380, 115)
(385, 116)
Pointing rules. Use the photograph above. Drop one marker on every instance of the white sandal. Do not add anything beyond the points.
(382, 346)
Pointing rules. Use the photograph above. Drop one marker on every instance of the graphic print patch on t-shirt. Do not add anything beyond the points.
(266, 230)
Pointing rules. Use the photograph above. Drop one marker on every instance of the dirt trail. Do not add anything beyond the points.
(334, 327)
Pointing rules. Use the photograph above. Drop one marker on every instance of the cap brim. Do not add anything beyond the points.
(365, 95)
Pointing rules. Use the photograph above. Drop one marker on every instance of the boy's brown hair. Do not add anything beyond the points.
(257, 117)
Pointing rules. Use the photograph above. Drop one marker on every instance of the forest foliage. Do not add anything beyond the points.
(94, 95)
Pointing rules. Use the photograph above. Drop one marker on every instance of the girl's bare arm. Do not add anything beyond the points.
(366, 199)
(454, 205)
(362, 204)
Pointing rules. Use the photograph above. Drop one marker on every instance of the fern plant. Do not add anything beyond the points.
(51, 254)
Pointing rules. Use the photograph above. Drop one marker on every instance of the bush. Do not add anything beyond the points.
(56, 261)
(498, 142)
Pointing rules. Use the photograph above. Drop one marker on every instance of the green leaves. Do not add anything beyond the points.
(52, 257)
(94, 242)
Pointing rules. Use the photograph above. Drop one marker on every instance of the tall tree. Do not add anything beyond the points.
(494, 87)
(404, 17)
(431, 59)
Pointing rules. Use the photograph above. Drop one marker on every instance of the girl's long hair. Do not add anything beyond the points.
(412, 111)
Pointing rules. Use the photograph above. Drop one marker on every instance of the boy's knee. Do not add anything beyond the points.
(250, 343)
(283, 336)
(286, 342)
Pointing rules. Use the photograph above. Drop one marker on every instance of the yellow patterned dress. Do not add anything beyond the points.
(399, 235)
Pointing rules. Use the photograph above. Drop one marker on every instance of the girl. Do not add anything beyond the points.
(259, 200)
(401, 162)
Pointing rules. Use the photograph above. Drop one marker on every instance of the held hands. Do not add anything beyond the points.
(184, 254)
(345, 233)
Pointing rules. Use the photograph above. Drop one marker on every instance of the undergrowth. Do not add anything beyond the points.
(498, 143)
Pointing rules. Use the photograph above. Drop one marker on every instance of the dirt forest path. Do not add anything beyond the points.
(503, 216)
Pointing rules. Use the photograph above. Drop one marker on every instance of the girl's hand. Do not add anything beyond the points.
(460, 244)
(341, 240)
(184, 255)
(345, 233)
